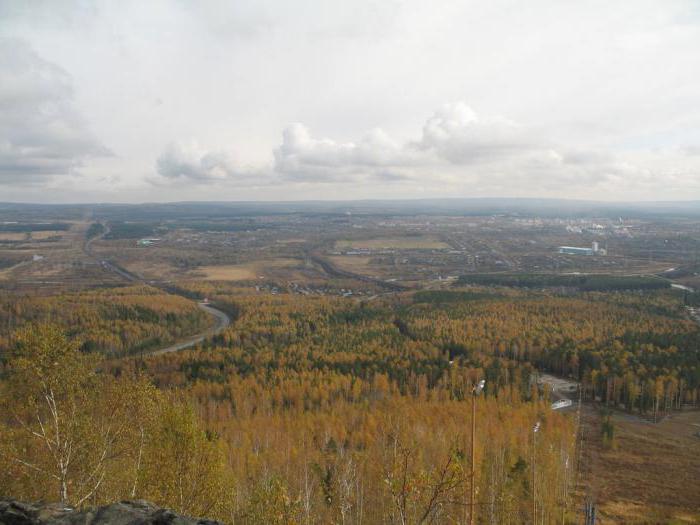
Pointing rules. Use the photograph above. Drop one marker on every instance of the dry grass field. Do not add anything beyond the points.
(290, 241)
(352, 263)
(652, 473)
(243, 272)
(393, 243)
(30, 236)
(153, 269)
(40, 236)
(235, 272)
(6, 236)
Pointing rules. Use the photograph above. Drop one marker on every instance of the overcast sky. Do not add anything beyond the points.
(157, 100)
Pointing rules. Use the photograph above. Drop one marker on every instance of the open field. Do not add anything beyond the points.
(242, 272)
(393, 243)
(46, 235)
(235, 272)
(291, 241)
(651, 473)
(15, 236)
(352, 263)
(153, 269)
(30, 236)
(40, 236)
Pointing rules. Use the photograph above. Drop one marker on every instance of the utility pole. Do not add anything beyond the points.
(535, 429)
(475, 392)
(566, 491)
(590, 512)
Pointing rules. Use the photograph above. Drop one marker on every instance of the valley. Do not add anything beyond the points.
(320, 351)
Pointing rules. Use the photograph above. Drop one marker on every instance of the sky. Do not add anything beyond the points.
(174, 100)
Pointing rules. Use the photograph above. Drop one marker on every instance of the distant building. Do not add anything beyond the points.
(147, 242)
(576, 250)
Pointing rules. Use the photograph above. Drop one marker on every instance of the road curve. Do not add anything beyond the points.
(222, 321)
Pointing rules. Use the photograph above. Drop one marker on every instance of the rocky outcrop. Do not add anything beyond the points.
(122, 513)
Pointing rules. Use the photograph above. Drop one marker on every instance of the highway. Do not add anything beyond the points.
(222, 320)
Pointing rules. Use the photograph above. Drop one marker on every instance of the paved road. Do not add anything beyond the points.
(222, 321)
(561, 388)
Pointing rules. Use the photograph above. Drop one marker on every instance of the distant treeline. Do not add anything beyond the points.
(34, 227)
(131, 230)
(690, 298)
(581, 282)
(445, 296)
(95, 229)
(205, 226)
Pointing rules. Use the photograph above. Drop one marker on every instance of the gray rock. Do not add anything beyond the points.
(123, 513)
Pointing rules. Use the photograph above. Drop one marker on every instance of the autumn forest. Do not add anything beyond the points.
(326, 410)
(300, 383)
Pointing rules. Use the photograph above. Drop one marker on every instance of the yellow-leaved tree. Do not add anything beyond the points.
(72, 434)
(184, 465)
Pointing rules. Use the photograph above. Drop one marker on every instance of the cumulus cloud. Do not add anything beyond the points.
(455, 136)
(458, 135)
(193, 163)
(376, 155)
(42, 135)
(691, 151)
(456, 148)
(149, 72)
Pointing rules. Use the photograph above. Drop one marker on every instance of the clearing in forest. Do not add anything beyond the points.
(650, 472)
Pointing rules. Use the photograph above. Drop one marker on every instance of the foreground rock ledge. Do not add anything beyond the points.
(124, 513)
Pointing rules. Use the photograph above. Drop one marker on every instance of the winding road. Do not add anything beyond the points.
(222, 319)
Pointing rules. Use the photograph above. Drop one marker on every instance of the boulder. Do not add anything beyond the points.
(123, 513)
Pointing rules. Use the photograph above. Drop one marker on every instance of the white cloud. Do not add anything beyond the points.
(454, 134)
(192, 163)
(374, 156)
(597, 99)
(42, 134)
(456, 145)
(457, 134)
(457, 151)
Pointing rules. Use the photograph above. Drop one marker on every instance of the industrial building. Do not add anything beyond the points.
(147, 242)
(576, 250)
